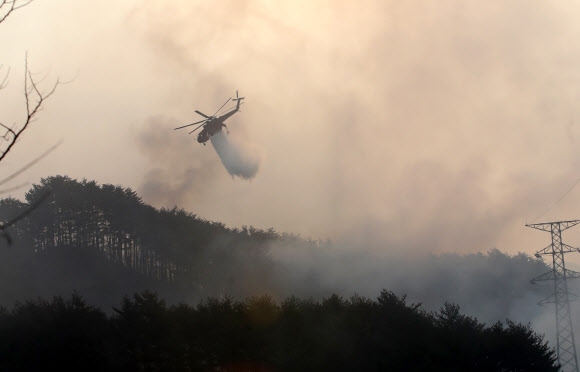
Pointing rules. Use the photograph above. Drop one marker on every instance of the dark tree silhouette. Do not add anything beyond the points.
(53, 335)
(356, 334)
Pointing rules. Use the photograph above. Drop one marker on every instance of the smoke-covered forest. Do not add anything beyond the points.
(104, 242)
(112, 229)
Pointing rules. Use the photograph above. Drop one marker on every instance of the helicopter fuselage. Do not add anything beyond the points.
(209, 129)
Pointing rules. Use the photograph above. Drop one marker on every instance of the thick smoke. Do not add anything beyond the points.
(491, 286)
(414, 119)
(180, 172)
(239, 158)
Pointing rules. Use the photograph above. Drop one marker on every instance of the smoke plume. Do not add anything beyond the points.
(414, 119)
(240, 159)
(179, 172)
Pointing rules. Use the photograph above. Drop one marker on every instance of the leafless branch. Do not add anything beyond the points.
(30, 164)
(34, 98)
(8, 6)
(4, 80)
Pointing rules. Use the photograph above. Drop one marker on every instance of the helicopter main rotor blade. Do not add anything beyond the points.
(196, 128)
(189, 125)
(222, 106)
(202, 114)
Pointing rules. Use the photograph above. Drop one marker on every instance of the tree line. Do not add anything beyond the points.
(170, 245)
(259, 334)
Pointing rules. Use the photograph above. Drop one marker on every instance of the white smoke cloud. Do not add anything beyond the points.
(240, 159)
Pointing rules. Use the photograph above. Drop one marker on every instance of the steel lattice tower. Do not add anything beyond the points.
(566, 347)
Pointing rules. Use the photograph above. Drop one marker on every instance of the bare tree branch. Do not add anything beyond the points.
(4, 80)
(34, 99)
(30, 164)
(8, 6)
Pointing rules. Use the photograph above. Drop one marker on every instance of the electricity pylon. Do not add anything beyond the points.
(566, 347)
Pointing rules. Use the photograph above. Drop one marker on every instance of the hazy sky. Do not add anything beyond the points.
(439, 126)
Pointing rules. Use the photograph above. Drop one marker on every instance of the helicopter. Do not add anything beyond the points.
(213, 124)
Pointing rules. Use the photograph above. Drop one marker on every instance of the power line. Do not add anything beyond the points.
(558, 201)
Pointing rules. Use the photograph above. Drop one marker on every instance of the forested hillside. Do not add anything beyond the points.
(113, 221)
(105, 242)
(113, 229)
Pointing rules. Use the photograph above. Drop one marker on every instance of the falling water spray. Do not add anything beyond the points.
(240, 159)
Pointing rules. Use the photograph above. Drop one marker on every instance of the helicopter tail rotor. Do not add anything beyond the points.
(237, 97)
(238, 100)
